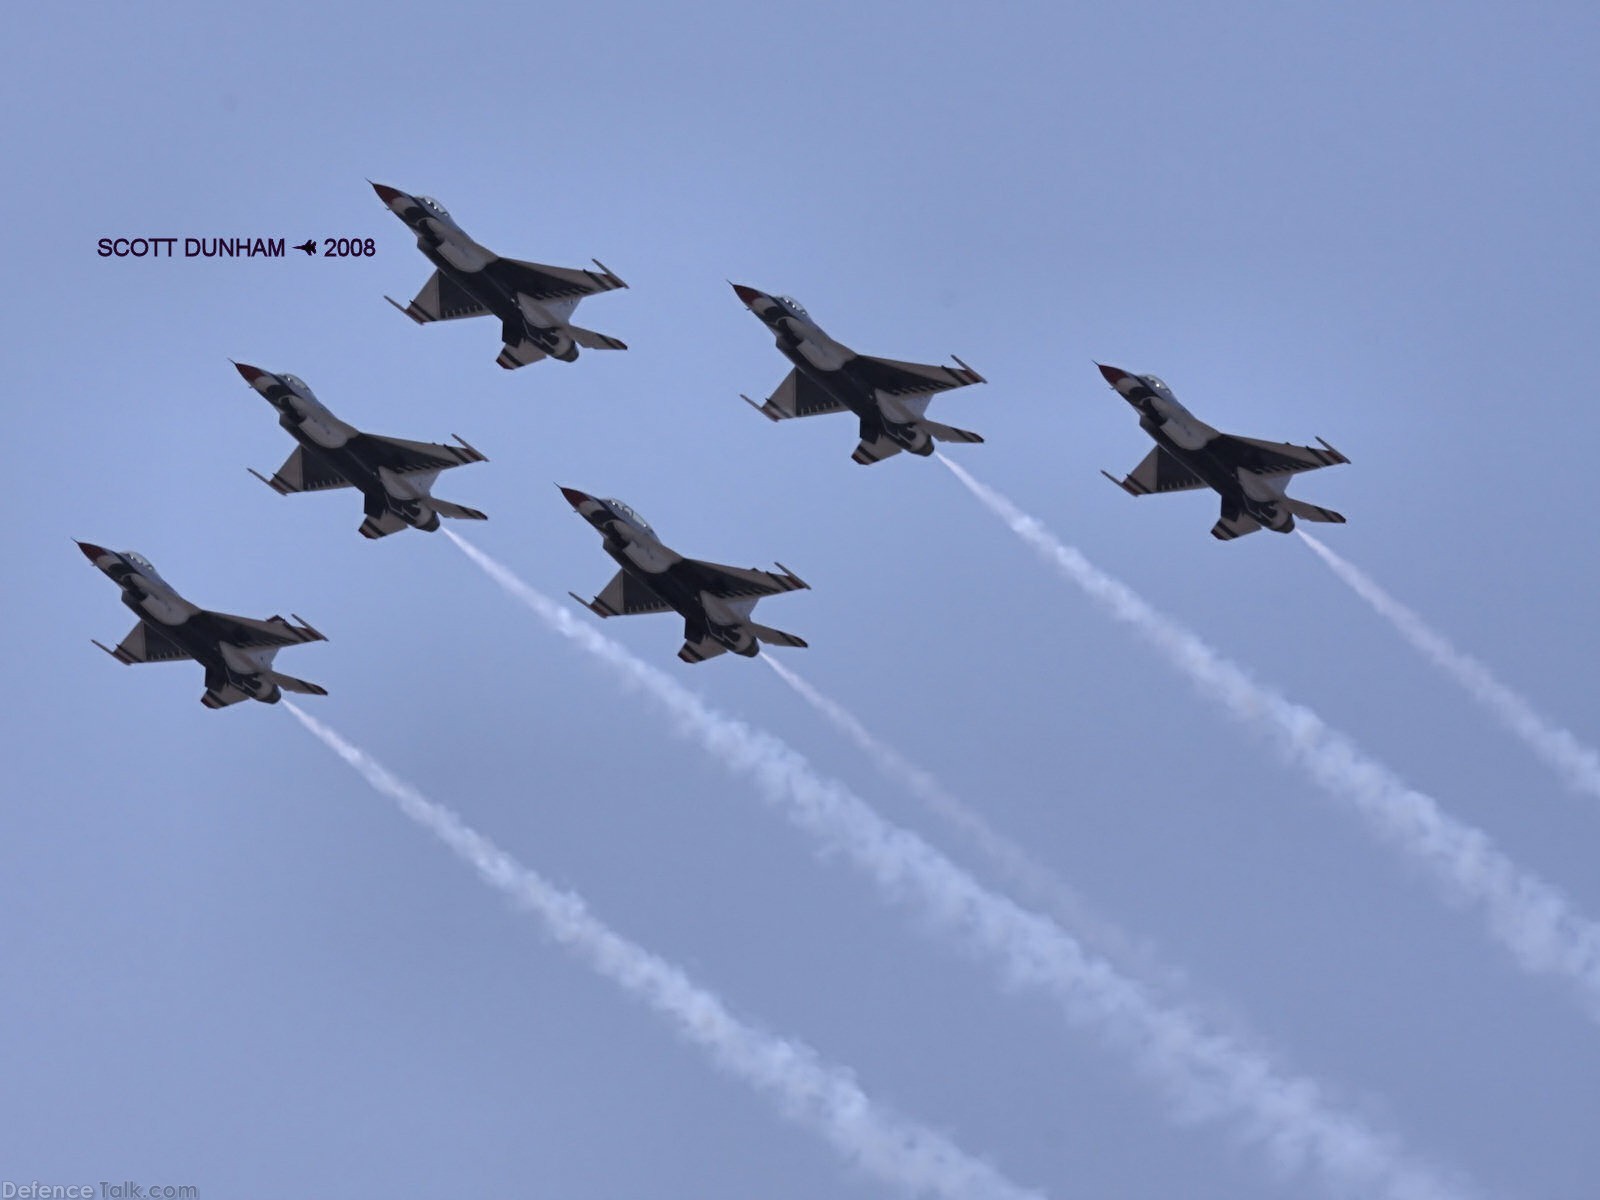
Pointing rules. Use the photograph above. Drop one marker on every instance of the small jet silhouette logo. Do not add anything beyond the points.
(309, 246)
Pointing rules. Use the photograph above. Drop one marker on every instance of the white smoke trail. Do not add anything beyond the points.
(1532, 919)
(1038, 885)
(1205, 1075)
(809, 1090)
(1557, 748)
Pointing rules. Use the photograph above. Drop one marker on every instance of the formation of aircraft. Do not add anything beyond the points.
(392, 475)
(1249, 475)
(714, 601)
(534, 304)
(888, 397)
(237, 652)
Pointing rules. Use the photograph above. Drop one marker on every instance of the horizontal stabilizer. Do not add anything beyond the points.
(698, 652)
(1312, 512)
(776, 637)
(520, 355)
(879, 448)
(948, 433)
(382, 525)
(590, 340)
(459, 511)
(223, 696)
(1235, 526)
(290, 684)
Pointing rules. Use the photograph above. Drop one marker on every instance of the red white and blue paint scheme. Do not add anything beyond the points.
(533, 302)
(889, 398)
(236, 652)
(1249, 475)
(714, 601)
(393, 475)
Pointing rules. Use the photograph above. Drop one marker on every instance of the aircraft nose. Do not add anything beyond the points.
(748, 294)
(387, 194)
(251, 374)
(575, 497)
(1112, 375)
(92, 552)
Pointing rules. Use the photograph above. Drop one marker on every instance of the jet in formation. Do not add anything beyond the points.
(392, 475)
(1249, 475)
(236, 652)
(889, 397)
(532, 301)
(714, 601)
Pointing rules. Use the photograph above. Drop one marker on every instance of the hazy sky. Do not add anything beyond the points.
(226, 962)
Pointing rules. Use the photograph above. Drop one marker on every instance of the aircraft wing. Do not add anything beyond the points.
(543, 282)
(305, 471)
(624, 596)
(897, 378)
(146, 644)
(248, 633)
(798, 396)
(1273, 458)
(442, 299)
(731, 583)
(1159, 472)
(413, 458)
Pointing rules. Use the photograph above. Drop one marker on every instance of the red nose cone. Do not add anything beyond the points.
(92, 552)
(748, 294)
(1113, 375)
(575, 497)
(251, 374)
(387, 194)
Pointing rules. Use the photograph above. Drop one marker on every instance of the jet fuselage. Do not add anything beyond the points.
(634, 547)
(829, 365)
(157, 602)
(310, 423)
(1177, 431)
(470, 266)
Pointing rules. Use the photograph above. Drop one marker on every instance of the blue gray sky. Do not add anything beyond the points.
(228, 963)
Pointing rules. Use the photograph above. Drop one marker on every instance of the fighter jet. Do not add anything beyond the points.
(1249, 475)
(714, 601)
(533, 302)
(393, 475)
(889, 397)
(236, 652)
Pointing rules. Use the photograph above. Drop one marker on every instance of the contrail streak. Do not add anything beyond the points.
(1206, 1076)
(1038, 885)
(809, 1090)
(1556, 747)
(1531, 918)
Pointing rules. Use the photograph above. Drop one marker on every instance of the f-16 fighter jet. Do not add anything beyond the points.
(236, 652)
(714, 601)
(1249, 475)
(889, 397)
(533, 302)
(393, 475)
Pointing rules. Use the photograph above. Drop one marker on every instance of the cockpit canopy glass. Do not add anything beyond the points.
(296, 382)
(430, 202)
(795, 305)
(623, 511)
(140, 561)
(1157, 383)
